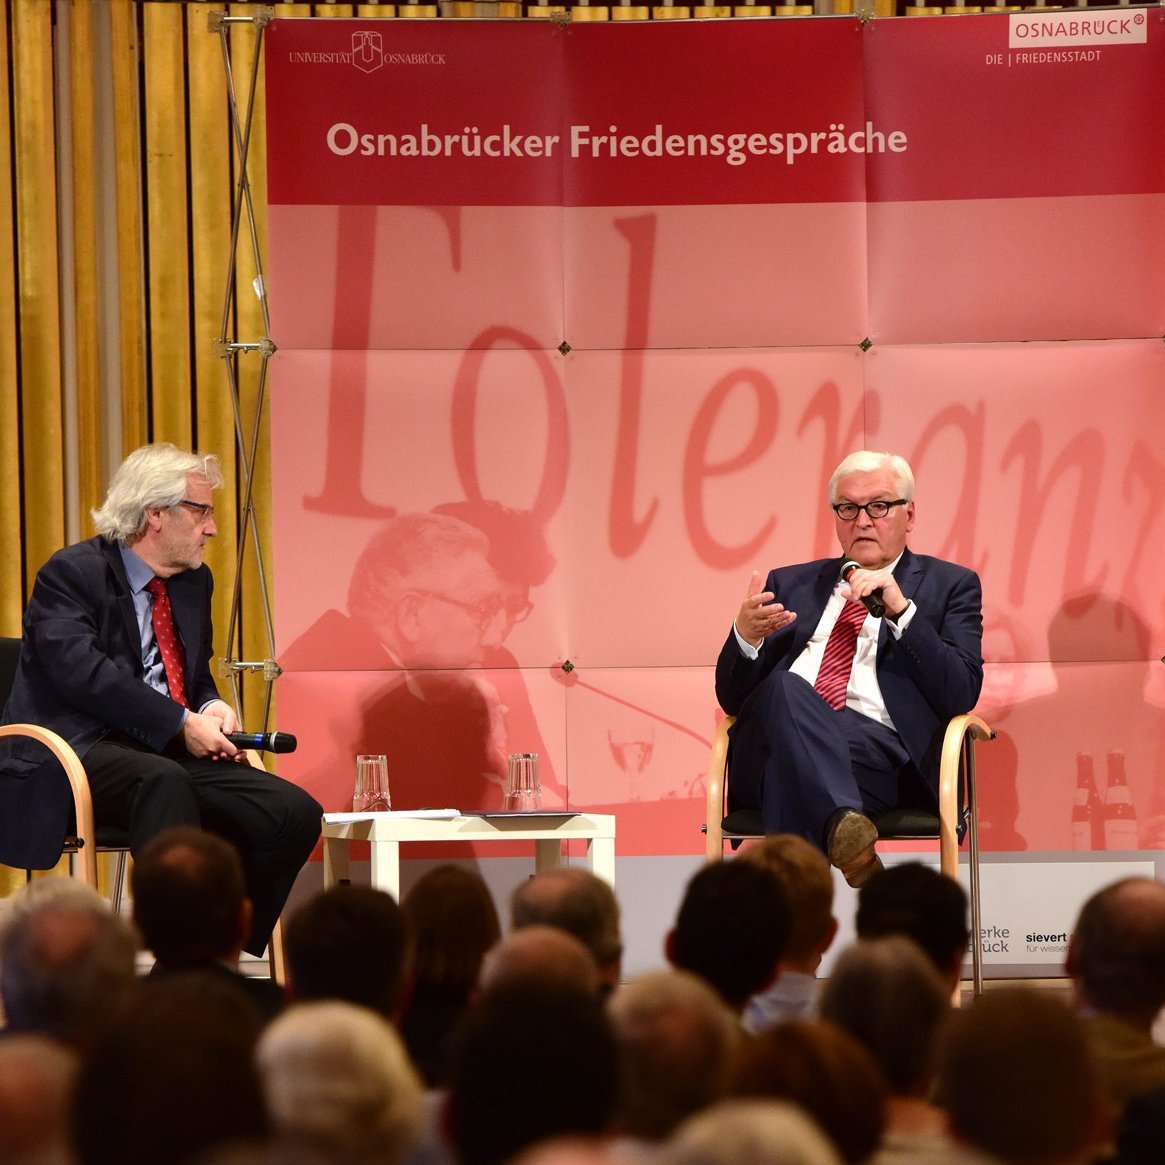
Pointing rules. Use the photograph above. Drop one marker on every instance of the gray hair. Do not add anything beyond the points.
(677, 1042)
(152, 477)
(65, 965)
(890, 997)
(870, 461)
(409, 550)
(337, 1076)
(751, 1132)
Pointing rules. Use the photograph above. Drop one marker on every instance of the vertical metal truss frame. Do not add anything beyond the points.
(234, 351)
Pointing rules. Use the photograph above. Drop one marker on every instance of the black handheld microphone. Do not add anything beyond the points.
(873, 601)
(263, 741)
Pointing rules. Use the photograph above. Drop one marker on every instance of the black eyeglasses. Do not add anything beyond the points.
(204, 510)
(848, 511)
(485, 612)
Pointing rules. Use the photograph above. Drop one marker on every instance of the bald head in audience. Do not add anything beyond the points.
(539, 954)
(580, 903)
(1117, 953)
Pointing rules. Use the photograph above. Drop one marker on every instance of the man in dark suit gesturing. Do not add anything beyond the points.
(841, 713)
(116, 659)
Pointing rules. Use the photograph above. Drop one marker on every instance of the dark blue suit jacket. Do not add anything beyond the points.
(80, 674)
(933, 672)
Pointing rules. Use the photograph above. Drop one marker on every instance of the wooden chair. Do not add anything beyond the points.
(958, 804)
(88, 839)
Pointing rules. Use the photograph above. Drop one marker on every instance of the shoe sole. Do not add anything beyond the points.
(851, 849)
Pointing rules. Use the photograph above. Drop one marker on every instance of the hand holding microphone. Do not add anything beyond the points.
(874, 602)
(263, 741)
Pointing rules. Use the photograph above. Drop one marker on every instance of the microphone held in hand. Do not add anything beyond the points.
(873, 601)
(263, 741)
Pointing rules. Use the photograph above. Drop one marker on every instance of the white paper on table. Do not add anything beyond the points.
(420, 814)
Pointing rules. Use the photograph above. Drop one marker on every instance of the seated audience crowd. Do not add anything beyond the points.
(419, 1034)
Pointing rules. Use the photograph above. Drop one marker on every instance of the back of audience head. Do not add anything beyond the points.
(751, 1132)
(534, 1060)
(66, 961)
(36, 1089)
(189, 898)
(453, 922)
(174, 1078)
(916, 901)
(1017, 1080)
(888, 995)
(677, 1041)
(827, 1072)
(1117, 952)
(349, 943)
(540, 954)
(580, 903)
(337, 1080)
(731, 929)
(807, 880)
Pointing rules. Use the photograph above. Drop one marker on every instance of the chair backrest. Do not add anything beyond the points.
(9, 657)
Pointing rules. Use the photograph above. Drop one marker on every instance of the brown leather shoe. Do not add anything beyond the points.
(849, 843)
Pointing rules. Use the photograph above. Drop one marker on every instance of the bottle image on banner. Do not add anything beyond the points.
(1120, 815)
(1087, 809)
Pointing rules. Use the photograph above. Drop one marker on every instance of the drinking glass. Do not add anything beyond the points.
(523, 792)
(371, 795)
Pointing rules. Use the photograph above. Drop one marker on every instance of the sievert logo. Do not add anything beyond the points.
(1047, 944)
(1054, 29)
(367, 50)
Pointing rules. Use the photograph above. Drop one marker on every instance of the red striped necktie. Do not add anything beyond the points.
(838, 660)
(169, 645)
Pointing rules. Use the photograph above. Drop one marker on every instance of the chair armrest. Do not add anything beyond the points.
(962, 733)
(78, 783)
(714, 807)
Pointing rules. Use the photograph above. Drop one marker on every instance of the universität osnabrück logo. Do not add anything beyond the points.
(367, 51)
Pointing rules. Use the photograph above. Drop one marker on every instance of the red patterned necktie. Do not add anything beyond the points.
(169, 645)
(838, 660)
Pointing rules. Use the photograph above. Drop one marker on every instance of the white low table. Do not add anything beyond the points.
(386, 832)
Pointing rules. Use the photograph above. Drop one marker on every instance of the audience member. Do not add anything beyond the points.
(574, 1151)
(580, 903)
(533, 1061)
(174, 1078)
(66, 961)
(751, 1132)
(731, 929)
(349, 943)
(826, 1071)
(338, 1081)
(1117, 962)
(677, 1042)
(191, 906)
(890, 997)
(1017, 1080)
(36, 1090)
(453, 922)
(916, 901)
(807, 880)
(540, 954)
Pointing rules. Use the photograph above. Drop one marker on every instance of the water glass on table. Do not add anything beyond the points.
(371, 795)
(523, 792)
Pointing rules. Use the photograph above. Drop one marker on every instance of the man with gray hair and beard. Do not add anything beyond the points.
(115, 658)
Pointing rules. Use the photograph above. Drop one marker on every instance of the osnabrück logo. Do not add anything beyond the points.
(1055, 28)
(367, 51)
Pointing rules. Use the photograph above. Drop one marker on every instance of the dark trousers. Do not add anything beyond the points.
(273, 823)
(798, 760)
